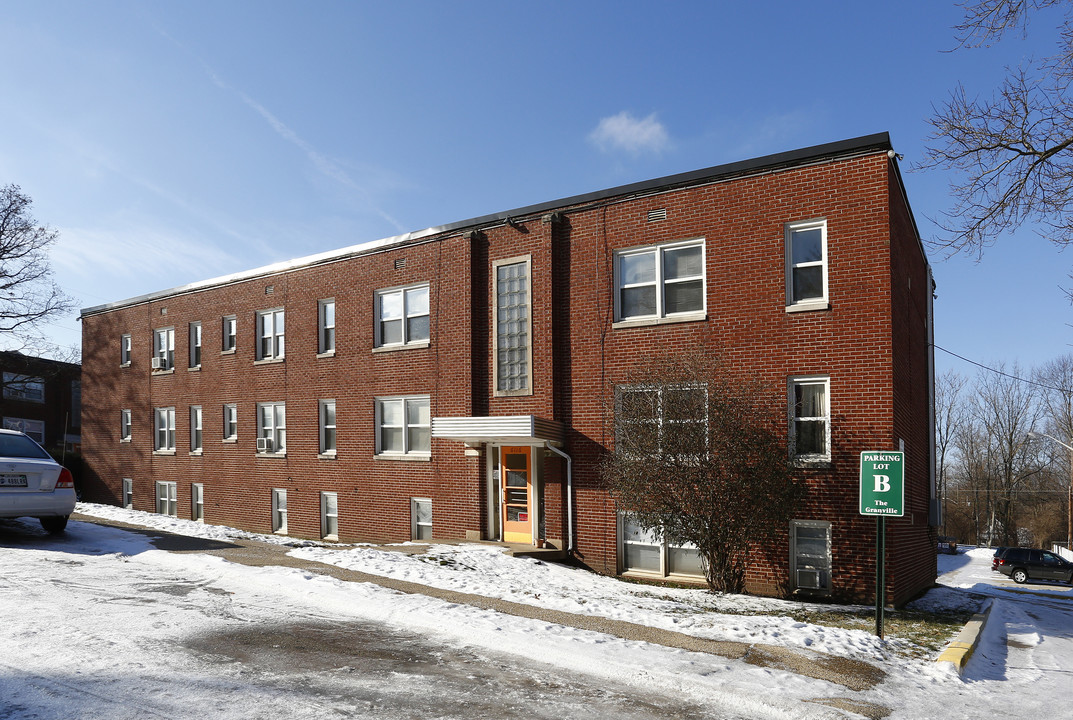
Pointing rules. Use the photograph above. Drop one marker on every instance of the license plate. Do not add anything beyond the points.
(12, 480)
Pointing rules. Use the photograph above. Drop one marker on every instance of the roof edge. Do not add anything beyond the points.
(865, 143)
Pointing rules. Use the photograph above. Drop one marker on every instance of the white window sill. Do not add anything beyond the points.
(163, 452)
(331, 538)
(413, 457)
(272, 455)
(124, 440)
(651, 320)
(402, 346)
(124, 365)
(196, 453)
(268, 361)
(328, 354)
(326, 456)
(195, 368)
(820, 463)
(810, 306)
(514, 393)
(230, 440)
(228, 352)
(169, 371)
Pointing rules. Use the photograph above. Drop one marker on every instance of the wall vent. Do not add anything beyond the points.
(657, 215)
(400, 263)
(269, 289)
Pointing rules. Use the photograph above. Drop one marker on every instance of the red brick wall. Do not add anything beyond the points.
(870, 342)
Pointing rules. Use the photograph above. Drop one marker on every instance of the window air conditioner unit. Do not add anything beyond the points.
(808, 579)
(158, 363)
(264, 444)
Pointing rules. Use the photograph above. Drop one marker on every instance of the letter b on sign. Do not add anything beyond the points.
(882, 483)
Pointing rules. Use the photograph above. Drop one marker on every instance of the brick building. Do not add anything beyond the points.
(453, 383)
(42, 398)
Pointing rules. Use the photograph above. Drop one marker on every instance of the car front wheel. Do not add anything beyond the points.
(54, 525)
(1019, 575)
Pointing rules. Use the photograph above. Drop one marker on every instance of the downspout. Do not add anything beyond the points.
(569, 494)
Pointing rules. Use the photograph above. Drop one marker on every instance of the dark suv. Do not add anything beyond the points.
(1023, 564)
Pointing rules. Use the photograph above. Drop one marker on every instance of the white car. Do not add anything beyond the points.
(32, 484)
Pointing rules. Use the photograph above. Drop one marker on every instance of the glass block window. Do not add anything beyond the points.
(512, 350)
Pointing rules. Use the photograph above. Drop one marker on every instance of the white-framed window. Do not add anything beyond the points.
(197, 502)
(166, 495)
(195, 429)
(127, 488)
(164, 429)
(329, 516)
(228, 333)
(195, 344)
(810, 555)
(35, 429)
(230, 421)
(326, 326)
(164, 349)
(124, 350)
(420, 518)
(279, 511)
(270, 334)
(402, 316)
(643, 552)
(512, 351)
(124, 425)
(272, 427)
(655, 282)
(810, 418)
(24, 387)
(806, 263)
(403, 426)
(327, 427)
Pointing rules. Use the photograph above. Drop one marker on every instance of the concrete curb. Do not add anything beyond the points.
(964, 645)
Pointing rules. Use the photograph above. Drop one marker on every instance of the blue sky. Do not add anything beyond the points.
(173, 142)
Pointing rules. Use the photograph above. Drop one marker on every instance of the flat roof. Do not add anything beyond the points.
(855, 146)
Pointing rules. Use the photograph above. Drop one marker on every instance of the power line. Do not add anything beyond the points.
(1000, 372)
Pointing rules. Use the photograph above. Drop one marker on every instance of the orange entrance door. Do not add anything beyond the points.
(517, 493)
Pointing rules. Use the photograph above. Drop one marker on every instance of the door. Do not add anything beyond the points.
(516, 476)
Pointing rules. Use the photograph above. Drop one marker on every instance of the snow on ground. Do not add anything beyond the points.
(1020, 670)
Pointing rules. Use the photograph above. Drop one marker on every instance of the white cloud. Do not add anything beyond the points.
(625, 132)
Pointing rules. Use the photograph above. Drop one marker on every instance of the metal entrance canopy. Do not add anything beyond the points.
(514, 429)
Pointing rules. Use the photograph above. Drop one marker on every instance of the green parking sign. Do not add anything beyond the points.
(883, 483)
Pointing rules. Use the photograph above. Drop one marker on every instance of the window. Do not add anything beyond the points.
(402, 316)
(35, 429)
(229, 333)
(124, 350)
(420, 518)
(326, 326)
(128, 493)
(230, 422)
(24, 387)
(651, 420)
(197, 502)
(279, 511)
(327, 427)
(195, 429)
(163, 349)
(806, 264)
(810, 555)
(660, 281)
(270, 335)
(512, 350)
(165, 499)
(164, 429)
(272, 428)
(403, 426)
(810, 419)
(195, 345)
(643, 552)
(124, 425)
(329, 515)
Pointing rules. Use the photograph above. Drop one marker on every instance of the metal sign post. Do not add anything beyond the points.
(882, 495)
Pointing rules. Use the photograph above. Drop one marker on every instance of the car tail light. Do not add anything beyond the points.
(66, 479)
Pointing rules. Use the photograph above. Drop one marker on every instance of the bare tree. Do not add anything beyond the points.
(949, 417)
(700, 458)
(1056, 381)
(28, 295)
(1012, 153)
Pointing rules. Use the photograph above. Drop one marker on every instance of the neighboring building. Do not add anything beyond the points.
(42, 398)
(454, 383)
